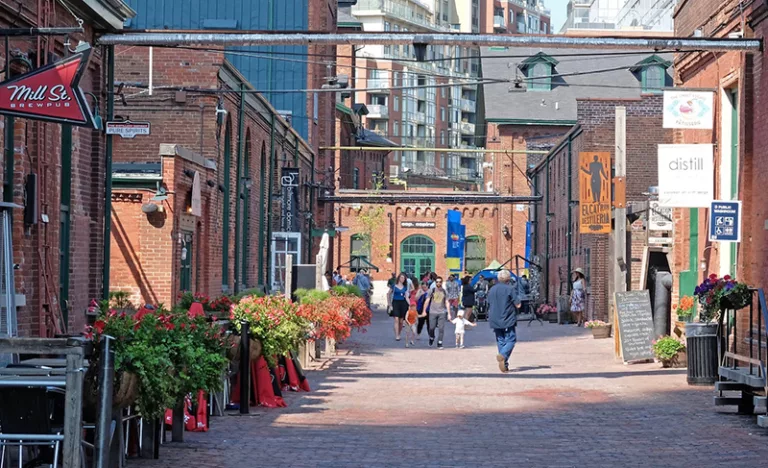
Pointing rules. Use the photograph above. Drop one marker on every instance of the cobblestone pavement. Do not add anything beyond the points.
(567, 403)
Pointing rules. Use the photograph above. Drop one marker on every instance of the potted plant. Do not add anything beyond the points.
(685, 309)
(718, 294)
(670, 352)
(599, 329)
(548, 312)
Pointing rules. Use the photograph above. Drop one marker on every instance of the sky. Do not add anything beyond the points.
(559, 12)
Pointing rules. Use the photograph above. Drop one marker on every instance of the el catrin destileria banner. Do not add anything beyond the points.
(594, 193)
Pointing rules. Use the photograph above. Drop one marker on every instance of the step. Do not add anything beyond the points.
(742, 375)
(727, 401)
(730, 387)
(760, 402)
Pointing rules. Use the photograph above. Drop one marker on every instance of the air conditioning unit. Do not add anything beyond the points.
(394, 171)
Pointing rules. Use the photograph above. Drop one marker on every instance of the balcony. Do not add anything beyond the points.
(467, 105)
(417, 117)
(377, 111)
(401, 11)
(467, 128)
(421, 94)
(378, 83)
(499, 23)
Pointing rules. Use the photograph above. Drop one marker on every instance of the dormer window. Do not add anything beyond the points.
(652, 73)
(538, 71)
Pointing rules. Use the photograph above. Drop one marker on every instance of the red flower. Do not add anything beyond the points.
(141, 314)
(99, 325)
(727, 277)
(169, 326)
(713, 277)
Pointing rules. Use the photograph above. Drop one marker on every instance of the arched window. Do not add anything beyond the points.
(359, 250)
(653, 78)
(417, 255)
(474, 254)
(355, 178)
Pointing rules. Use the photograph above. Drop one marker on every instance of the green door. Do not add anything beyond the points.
(185, 277)
(417, 255)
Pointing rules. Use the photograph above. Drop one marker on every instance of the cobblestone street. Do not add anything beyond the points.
(378, 404)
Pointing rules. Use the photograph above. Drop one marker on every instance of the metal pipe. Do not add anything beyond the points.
(104, 423)
(108, 169)
(413, 197)
(39, 31)
(436, 150)
(570, 213)
(678, 44)
(238, 188)
(245, 368)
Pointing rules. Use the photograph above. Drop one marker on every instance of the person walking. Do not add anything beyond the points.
(410, 325)
(439, 312)
(364, 285)
(453, 289)
(578, 295)
(461, 323)
(399, 303)
(390, 284)
(503, 304)
(467, 297)
(421, 300)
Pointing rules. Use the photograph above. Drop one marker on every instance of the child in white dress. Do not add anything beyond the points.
(460, 322)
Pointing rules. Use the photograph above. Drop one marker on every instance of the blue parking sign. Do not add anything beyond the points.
(725, 221)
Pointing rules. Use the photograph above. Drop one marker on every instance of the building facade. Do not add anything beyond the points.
(193, 205)
(56, 176)
(643, 15)
(557, 244)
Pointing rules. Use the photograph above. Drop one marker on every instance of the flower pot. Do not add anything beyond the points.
(732, 302)
(233, 348)
(678, 361)
(552, 317)
(124, 394)
(601, 332)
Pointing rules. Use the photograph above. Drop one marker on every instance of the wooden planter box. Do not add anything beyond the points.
(601, 332)
(678, 362)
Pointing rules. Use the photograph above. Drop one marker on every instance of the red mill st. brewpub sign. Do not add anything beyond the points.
(50, 93)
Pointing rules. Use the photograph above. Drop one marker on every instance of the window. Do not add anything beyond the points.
(396, 129)
(474, 254)
(442, 113)
(538, 70)
(387, 48)
(442, 137)
(653, 78)
(355, 178)
(442, 92)
(396, 105)
(359, 252)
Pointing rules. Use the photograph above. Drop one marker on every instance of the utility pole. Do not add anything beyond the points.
(620, 219)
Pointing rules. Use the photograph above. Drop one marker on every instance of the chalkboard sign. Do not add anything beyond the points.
(635, 325)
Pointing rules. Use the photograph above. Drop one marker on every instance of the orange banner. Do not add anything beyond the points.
(594, 193)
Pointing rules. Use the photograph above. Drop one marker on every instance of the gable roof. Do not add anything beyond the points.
(540, 57)
(559, 104)
(652, 60)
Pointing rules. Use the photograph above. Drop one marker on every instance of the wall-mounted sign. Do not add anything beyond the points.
(289, 183)
(725, 221)
(595, 193)
(688, 109)
(187, 222)
(417, 224)
(686, 176)
(127, 128)
(660, 217)
(50, 93)
(197, 205)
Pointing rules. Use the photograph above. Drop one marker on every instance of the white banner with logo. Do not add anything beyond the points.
(688, 109)
(660, 217)
(686, 176)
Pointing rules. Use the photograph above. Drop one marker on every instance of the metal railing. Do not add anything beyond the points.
(378, 111)
(467, 105)
(754, 338)
(468, 128)
(380, 83)
(402, 11)
(498, 22)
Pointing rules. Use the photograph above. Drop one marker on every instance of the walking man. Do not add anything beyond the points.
(364, 285)
(503, 303)
(439, 312)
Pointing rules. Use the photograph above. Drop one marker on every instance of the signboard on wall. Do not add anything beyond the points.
(417, 224)
(686, 176)
(688, 109)
(289, 184)
(660, 217)
(197, 197)
(51, 93)
(595, 193)
(725, 221)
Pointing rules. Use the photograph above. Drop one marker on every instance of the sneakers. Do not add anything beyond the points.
(406, 344)
(439, 345)
(413, 343)
(462, 346)
(431, 341)
(502, 366)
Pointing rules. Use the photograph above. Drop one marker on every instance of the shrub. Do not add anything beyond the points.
(667, 347)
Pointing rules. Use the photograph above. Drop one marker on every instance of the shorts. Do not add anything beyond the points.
(399, 308)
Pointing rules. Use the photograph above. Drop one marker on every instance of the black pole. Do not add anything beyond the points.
(8, 32)
(108, 169)
(104, 422)
(245, 369)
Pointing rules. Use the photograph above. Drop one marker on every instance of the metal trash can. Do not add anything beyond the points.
(701, 341)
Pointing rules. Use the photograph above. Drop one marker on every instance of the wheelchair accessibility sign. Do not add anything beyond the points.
(725, 221)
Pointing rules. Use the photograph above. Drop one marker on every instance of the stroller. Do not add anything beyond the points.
(481, 305)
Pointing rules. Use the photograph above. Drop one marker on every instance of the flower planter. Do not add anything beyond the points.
(732, 303)
(601, 332)
(552, 317)
(679, 361)
(124, 394)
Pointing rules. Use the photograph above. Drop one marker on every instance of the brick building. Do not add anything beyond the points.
(235, 146)
(58, 270)
(557, 244)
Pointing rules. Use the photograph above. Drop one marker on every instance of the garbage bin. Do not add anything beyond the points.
(701, 340)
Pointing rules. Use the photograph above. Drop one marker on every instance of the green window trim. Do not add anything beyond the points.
(535, 74)
(653, 78)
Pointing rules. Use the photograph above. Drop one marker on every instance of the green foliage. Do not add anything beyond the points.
(667, 347)
(346, 290)
(119, 299)
(311, 296)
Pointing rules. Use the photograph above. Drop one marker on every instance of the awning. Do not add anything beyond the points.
(359, 263)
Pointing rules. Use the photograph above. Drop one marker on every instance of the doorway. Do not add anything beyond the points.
(417, 255)
(185, 274)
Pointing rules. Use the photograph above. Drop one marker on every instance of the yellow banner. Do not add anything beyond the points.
(595, 193)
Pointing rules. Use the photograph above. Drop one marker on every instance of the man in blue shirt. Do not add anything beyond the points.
(503, 304)
(364, 285)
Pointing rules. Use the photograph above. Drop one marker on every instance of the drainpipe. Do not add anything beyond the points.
(546, 237)
(108, 170)
(271, 171)
(311, 202)
(570, 214)
(238, 187)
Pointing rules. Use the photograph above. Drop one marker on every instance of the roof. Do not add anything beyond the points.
(559, 104)
(106, 14)
(346, 20)
(369, 138)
